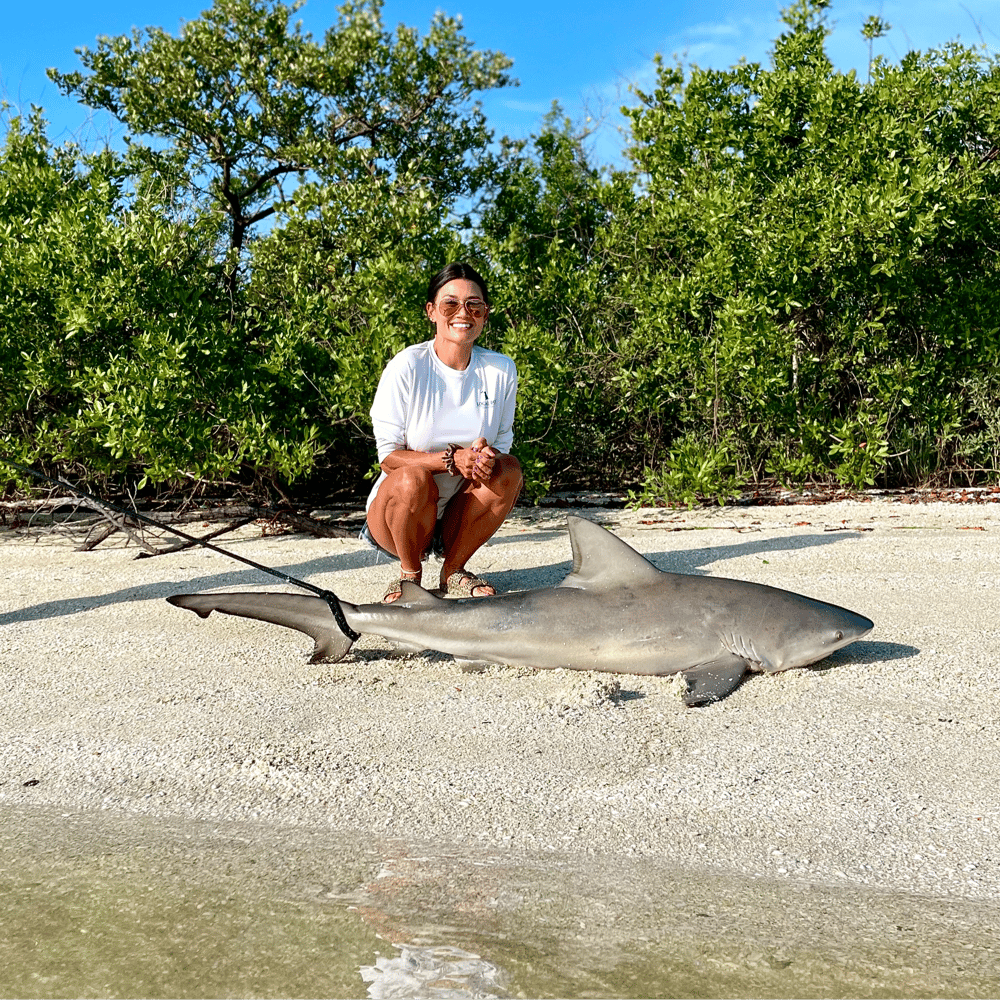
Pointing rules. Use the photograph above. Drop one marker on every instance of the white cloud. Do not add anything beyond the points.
(534, 107)
(916, 24)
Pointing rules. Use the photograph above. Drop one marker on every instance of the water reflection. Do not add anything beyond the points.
(574, 927)
(101, 905)
(437, 972)
(104, 906)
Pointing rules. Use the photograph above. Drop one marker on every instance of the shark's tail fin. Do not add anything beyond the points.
(313, 615)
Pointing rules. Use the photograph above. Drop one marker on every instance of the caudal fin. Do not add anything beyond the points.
(311, 615)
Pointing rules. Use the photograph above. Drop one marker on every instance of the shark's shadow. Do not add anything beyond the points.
(549, 575)
(860, 652)
(360, 559)
(690, 561)
(866, 652)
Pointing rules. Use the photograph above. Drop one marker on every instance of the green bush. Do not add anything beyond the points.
(796, 278)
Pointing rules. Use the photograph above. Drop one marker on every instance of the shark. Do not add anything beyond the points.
(615, 611)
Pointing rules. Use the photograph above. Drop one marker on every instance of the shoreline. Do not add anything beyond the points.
(872, 769)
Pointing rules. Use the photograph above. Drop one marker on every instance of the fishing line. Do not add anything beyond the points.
(328, 595)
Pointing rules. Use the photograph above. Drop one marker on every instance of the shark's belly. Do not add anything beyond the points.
(620, 633)
(563, 627)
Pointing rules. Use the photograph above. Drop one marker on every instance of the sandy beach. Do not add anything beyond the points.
(878, 767)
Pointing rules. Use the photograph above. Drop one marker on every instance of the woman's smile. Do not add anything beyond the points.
(458, 313)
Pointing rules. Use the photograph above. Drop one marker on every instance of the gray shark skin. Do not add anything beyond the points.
(615, 612)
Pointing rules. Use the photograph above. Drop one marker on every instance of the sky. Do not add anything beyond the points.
(583, 53)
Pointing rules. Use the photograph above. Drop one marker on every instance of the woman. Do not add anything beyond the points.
(443, 417)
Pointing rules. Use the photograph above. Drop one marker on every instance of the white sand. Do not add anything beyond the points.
(880, 767)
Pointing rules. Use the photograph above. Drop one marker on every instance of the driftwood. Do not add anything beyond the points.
(100, 523)
(191, 543)
(116, 522)
(313, 526)
(38, 510)
(95, 537)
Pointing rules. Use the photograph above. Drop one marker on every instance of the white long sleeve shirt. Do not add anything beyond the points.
(423, 405)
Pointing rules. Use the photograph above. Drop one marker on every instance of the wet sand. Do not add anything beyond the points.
(877, 768)
(106, 904)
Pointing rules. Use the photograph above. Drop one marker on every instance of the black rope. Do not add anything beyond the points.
(328, 595)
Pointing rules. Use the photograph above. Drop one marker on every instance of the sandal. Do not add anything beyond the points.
(395, 589)
(462, 583)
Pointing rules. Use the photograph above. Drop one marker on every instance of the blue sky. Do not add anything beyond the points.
(584, 54)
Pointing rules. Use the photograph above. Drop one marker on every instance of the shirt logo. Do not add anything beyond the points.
(484, 399)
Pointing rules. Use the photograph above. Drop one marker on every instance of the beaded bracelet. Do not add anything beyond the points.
(449, 459)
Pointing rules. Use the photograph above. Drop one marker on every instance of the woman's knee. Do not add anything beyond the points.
(507, 477)
(413, 487)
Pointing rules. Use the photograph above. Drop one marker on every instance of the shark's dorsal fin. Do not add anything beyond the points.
(412, 595)
(602, 560)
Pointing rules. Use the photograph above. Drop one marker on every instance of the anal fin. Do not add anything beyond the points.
(712, 681)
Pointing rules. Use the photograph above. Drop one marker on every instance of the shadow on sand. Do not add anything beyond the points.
(550, 575)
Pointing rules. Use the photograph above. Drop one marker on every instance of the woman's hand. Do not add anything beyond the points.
(476, 462)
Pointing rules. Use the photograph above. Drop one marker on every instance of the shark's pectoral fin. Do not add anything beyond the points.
(311, 615)
(712, 681)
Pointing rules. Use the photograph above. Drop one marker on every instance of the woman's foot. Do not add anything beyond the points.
(462, 583)
(395, 589)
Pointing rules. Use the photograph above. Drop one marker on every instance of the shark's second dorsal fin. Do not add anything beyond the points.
(601, 559)
(412, 595)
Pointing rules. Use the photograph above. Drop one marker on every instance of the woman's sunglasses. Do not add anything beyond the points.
(476, 308)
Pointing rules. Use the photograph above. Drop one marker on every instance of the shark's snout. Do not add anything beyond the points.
(852, 628)
(818, 632)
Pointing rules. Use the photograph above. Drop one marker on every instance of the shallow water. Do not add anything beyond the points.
(105, 905)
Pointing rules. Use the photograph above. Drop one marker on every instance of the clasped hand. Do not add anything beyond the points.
(476, 462)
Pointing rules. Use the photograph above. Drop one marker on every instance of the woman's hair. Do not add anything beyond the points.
(450, 273)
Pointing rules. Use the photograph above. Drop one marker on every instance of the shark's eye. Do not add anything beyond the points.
(837, 636)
